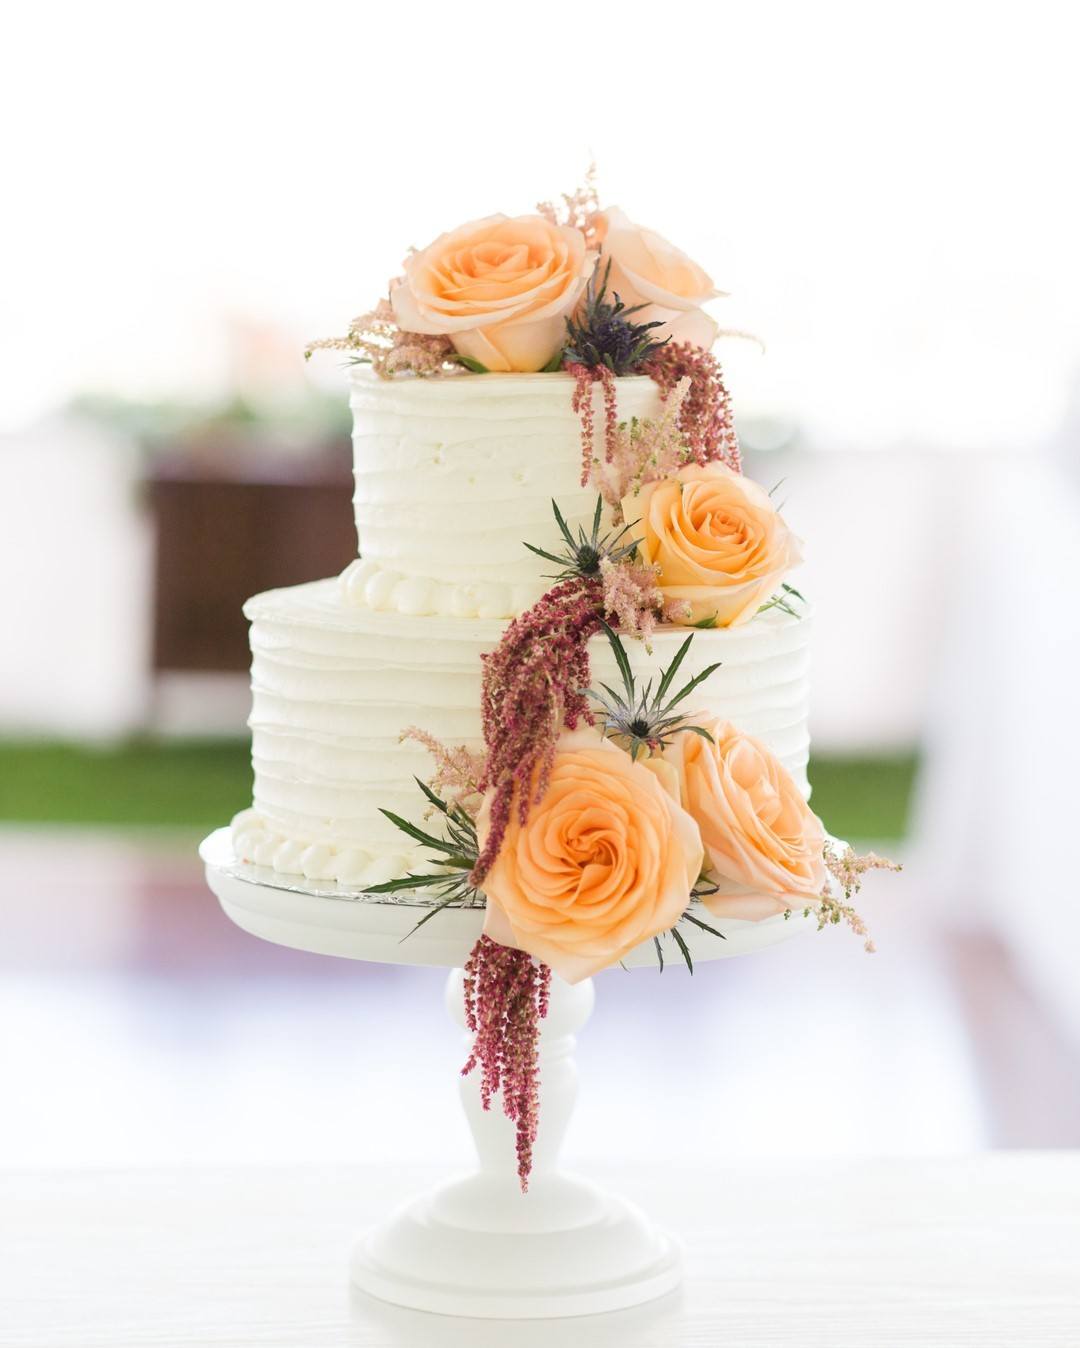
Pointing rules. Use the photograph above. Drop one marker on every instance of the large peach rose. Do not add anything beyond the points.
(499, 288)
(605, 861)
(720, 543)
(646, 269)
(763, 843)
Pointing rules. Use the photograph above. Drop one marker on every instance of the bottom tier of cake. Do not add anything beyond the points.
(334, 685)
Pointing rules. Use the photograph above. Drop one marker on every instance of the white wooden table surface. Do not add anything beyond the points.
(983, 1250)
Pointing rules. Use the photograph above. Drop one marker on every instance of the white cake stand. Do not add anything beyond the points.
(476, 1246)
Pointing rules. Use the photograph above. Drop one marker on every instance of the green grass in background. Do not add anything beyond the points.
(201, 784)
(195, 784)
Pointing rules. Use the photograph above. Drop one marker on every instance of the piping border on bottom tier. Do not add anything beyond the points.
(258, 843)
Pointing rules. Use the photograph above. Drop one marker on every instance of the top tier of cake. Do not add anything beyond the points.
(454, 475)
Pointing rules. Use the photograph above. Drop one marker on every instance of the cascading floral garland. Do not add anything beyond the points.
(535, 684)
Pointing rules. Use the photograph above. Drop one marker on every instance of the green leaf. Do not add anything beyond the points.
(563, 527)
(684, 949)
(598, 516)
(697, 679)
(439, 804)
(554, 365)
(659, 952)
(453, 900)
(706, 624)
(471, 364)
(424, 881)
(673, 668)
(547, 556)
(689, 917)
(698, 730)
(428, 839)
(792, 590)
(621, 658)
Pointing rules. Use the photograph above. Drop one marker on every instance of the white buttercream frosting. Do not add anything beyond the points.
(454, 475)
(335, 683)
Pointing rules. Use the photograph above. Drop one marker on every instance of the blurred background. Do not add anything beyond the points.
(888, 192)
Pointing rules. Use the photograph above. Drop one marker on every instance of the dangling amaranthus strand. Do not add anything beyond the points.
(585, 376)
(705, 417)
(533, 685)
(506, 997)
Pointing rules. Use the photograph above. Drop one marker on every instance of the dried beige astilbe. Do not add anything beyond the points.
(578, 209)
(458, 770)
(847, 868)
(375, 338)
(644, 451)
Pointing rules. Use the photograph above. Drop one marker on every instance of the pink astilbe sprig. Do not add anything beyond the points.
(507, 994)
(533, 684)
(459, 770)
(645, 450)
(705, 416)
(578, 209)
(634, 601)
(585, 376)
(375, 339)
(848, 869)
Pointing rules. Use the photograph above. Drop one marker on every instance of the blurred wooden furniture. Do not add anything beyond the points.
(819, 1254)
(230, 525)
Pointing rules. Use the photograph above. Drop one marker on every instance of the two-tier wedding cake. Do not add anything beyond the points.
(566, 678)
(451, 475)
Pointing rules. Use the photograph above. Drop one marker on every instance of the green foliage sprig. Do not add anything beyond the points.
(645, 719)
(584, 552)
(455, 854)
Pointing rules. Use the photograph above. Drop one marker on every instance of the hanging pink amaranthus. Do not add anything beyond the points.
(585, 376)
(533, 686)
(506, 997)
(705, 417)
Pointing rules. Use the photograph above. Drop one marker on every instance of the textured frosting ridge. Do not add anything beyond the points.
(334, 684)
(453, 474)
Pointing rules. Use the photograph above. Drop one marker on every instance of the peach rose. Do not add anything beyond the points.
(720, 543)
(499, 288)
(763, 843)
(646, 269)
(605, 861)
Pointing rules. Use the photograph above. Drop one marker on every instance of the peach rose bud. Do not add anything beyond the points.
(606, 860)
(499, 288)
(720, 543)
(763, 844)
(647, 269)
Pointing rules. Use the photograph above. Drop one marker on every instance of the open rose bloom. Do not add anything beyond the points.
(606, 860)
(647, 270)
(720, 543)
(500, 288)
(763, 844)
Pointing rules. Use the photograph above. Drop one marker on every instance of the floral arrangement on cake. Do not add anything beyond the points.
(598, 818)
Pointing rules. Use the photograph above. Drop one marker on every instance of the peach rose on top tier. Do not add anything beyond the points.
(499, 288)
(604, 861)
(763, 843)
(646, 269)
(720, 543)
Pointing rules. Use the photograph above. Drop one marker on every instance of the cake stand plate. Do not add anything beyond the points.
(477, 1246)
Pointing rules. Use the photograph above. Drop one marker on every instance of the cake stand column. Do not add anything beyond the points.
(477, 1246)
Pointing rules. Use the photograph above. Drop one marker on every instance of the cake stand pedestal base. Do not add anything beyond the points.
(479, 1247)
